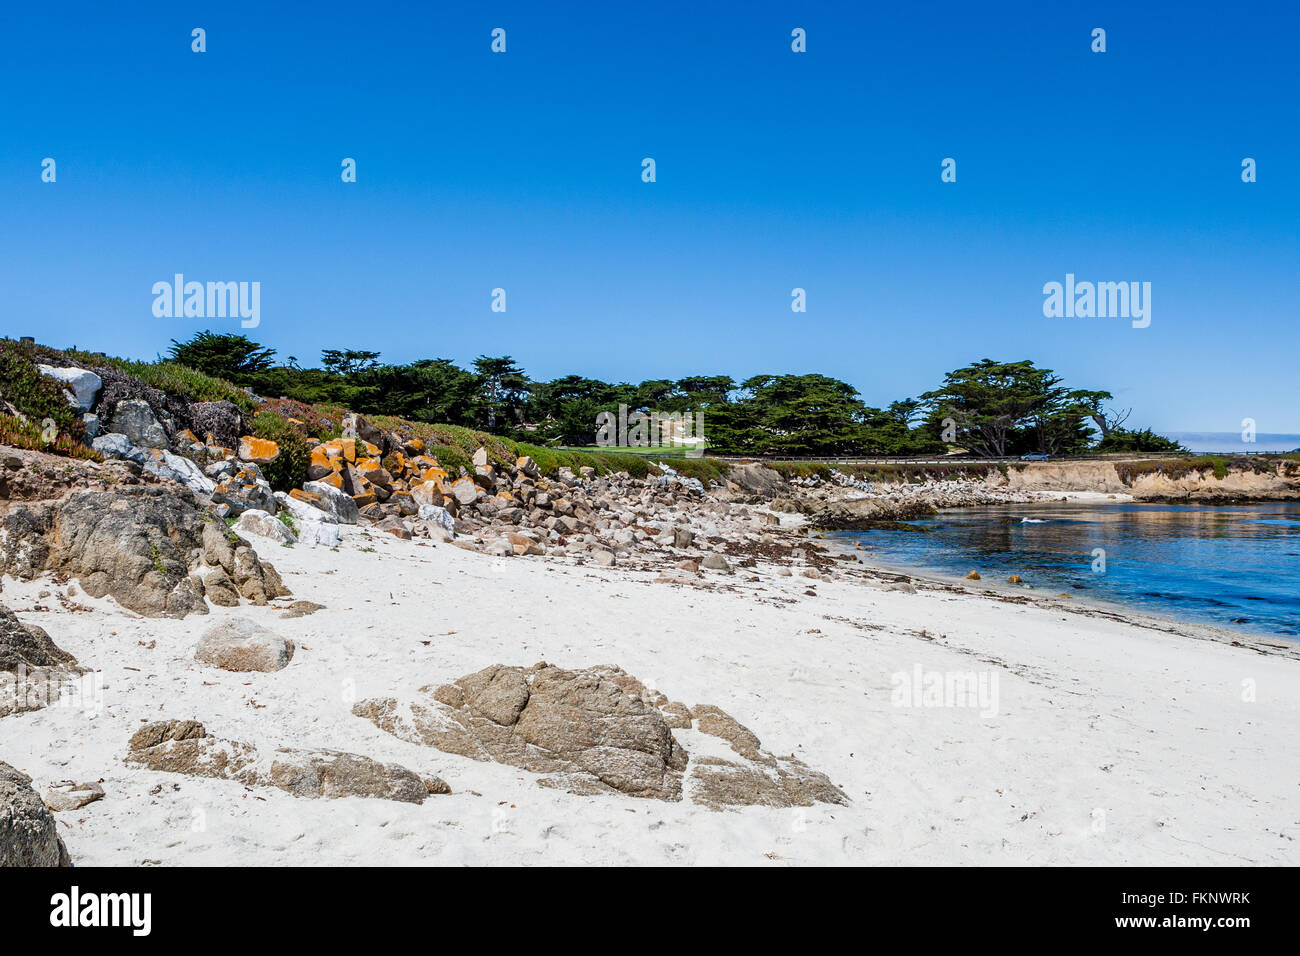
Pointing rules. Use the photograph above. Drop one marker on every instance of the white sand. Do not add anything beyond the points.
(1113, 743)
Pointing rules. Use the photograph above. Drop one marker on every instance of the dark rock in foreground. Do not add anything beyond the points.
(28, 835)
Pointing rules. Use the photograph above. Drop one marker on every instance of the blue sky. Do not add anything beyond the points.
(775, 170)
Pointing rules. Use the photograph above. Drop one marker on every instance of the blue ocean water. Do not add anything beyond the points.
(1265, 442)
(1232, 566)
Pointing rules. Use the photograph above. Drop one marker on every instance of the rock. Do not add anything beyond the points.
(719, 784)
(221, 423)
(184, 746)
(357, 427)
(33, 670)
(135, 419)
(28, 833)
(465, 491)
(312, 525)
(757, 480)
(260, 523)
(393, 525)
(114, 445)
(579, 725)
(480, 458)
(714, 562)
(972, 575)
(61, 797)
(136, 544)
(90, 422)
(1015, 579)
(523, 545)
(182, 471)
(440, 517)
(26, 645)
(245, 490)
(682, 538)
(597, 731)
(241, 645)
(260, 451)
(718, 723)
(335, 502)
(302, 609)
(81, 385)
(604, 559)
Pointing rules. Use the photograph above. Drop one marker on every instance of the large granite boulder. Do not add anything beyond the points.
(151, 548)
(579, 725)
(598, 730)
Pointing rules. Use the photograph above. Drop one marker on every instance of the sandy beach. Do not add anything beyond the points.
(1104, 739)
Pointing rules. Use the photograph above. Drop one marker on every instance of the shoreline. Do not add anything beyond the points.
(1199, 630)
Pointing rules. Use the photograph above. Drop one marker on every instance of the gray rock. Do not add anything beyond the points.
(135, 419)
(245, 490)
(313, 526)
(714, 562)
(182, 471)
(241, 645)
(260, 523)
(225, 468)
(335, 502)
(439, 516)
(28, 833)
(115, 445)
(90, 422)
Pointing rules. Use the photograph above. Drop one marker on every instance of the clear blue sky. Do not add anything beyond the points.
(775, 170)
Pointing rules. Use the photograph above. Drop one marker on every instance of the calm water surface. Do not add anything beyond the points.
(1235, 567)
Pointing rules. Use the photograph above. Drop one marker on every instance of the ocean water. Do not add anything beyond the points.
(1233, 566)
(1205, 442)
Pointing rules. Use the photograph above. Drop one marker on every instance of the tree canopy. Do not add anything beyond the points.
(989, 408)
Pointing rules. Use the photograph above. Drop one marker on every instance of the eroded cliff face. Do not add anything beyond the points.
(1099, 476)
(1148, 480)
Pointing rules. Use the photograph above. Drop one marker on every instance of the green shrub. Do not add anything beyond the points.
(35, 396)
(289, 470)
(172, 378)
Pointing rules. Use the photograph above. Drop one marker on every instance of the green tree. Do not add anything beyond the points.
(235, 358)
